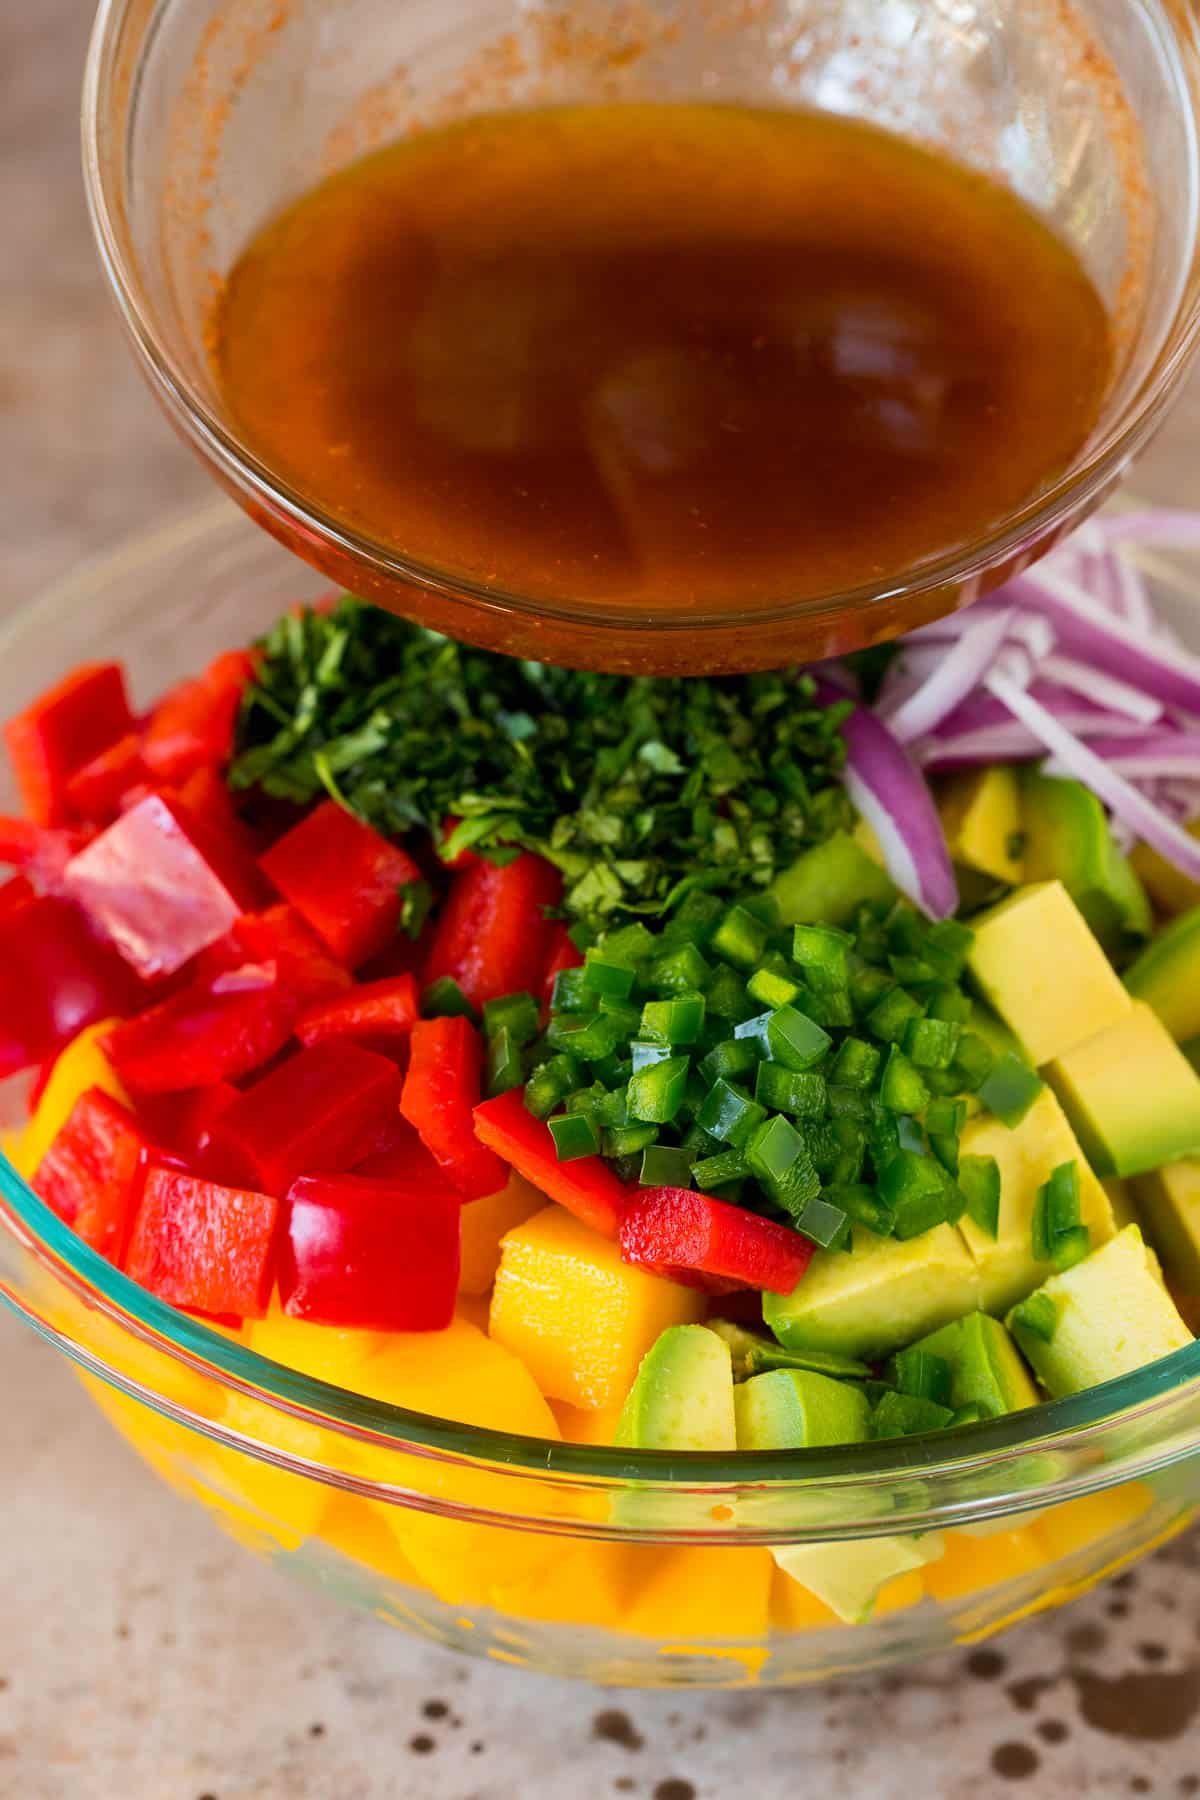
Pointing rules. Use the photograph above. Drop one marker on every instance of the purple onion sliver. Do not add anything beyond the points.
(1142, 817)
(961, 670)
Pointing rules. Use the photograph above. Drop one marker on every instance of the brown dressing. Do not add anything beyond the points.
(688, 357)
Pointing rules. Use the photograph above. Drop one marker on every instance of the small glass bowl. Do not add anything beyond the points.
(622, 1567)
(203, 117)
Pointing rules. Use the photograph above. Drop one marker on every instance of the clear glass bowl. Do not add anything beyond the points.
(203, 117)
(595, 1562)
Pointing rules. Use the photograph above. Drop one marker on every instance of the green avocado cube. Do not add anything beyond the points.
(985, 1369)
(682, 1395)
(1167, 976)
(1037, 962)
(794, 1409)
(1169, 1201)
(829, 883)
(1131, 1095)
(881, 1296)
(1026, 1156)
(848, 1578)
(1112, 1314)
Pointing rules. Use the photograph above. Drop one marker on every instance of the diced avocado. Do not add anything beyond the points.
(1170, 889)
(1044, 971)
(1167, 976)
(1123, 1200)
(754, 1354)
(981, 817)
(793, 1409)
(1026, 1156)
(848, 1577)
(880, 1296)
(1170, 1202)
(985, 1369)
(1111, 1315)
(1067, 837)
(828, 884)
(682, 1396)
(1131, 1095)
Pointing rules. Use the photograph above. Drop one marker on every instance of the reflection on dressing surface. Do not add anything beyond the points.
(675, 352)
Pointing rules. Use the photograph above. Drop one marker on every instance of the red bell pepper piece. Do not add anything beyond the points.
(15, 894)
(309, 1116)
(42, 851)
(200, 1036)
(492, 935)
(205, 1247)
(586, 1186)
(207, 797)
(674, 1228)
(441, 1092)
(93, 1173)
(279, 937)
(196, 1115)
(51, 740)
(344, 879)
(397, 1153)
(194, 723)
(377, 1013)
(161, 886)
(55, 978)
(97, 790)
(375, 1255)
(562, 955)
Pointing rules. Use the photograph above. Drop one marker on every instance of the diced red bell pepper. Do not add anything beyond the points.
(51, 740)
(586, 1186)
(55, 978)
(375, 1255)
(397, 1153)
(194, 723)
(198, 1036)
(93, 1173)
(196, 1115)
(96, 791)
(344, 879)
(42, 851)
(492, 935)
(675, 1228)
(378, 1013)
(562, 955)
(309, 1116)
(203, 1246)
(161, 886)
(441, 1092)
(15, 894)
(280, 937)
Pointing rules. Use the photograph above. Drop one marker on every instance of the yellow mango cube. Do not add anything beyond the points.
(971, 1565)
(82, 1065)
(579, 1318)
(325, 1352)
(581, 1425)
(699, 1594)
(981, 816)
(484, 1224)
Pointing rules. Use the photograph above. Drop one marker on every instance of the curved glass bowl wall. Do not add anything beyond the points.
(624, 1568)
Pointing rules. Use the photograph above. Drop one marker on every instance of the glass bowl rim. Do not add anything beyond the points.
(1072, 493)
(1053, 1425)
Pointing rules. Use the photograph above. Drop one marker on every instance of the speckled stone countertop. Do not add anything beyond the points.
(142, 1657)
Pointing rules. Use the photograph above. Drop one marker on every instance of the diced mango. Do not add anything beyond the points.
(702, 1594)
(325, 1352)
(970, 1565)
(579, 1425)
(981, 816)
(901, 1592)
(586, 1584)
(484, 1223)
(1075, 1525)
(793, 1608)
(82, 1065)
(474, 1309)
(579, 1318)
(461, 1375)
(1041, 967)
(354, 1529)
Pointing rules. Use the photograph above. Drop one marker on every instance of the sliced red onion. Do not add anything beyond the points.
(1159, 527)
(959, 672)
(1106, 690)
(892, 796)
(1141, 816)
(1087, 631)
(975, 749)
